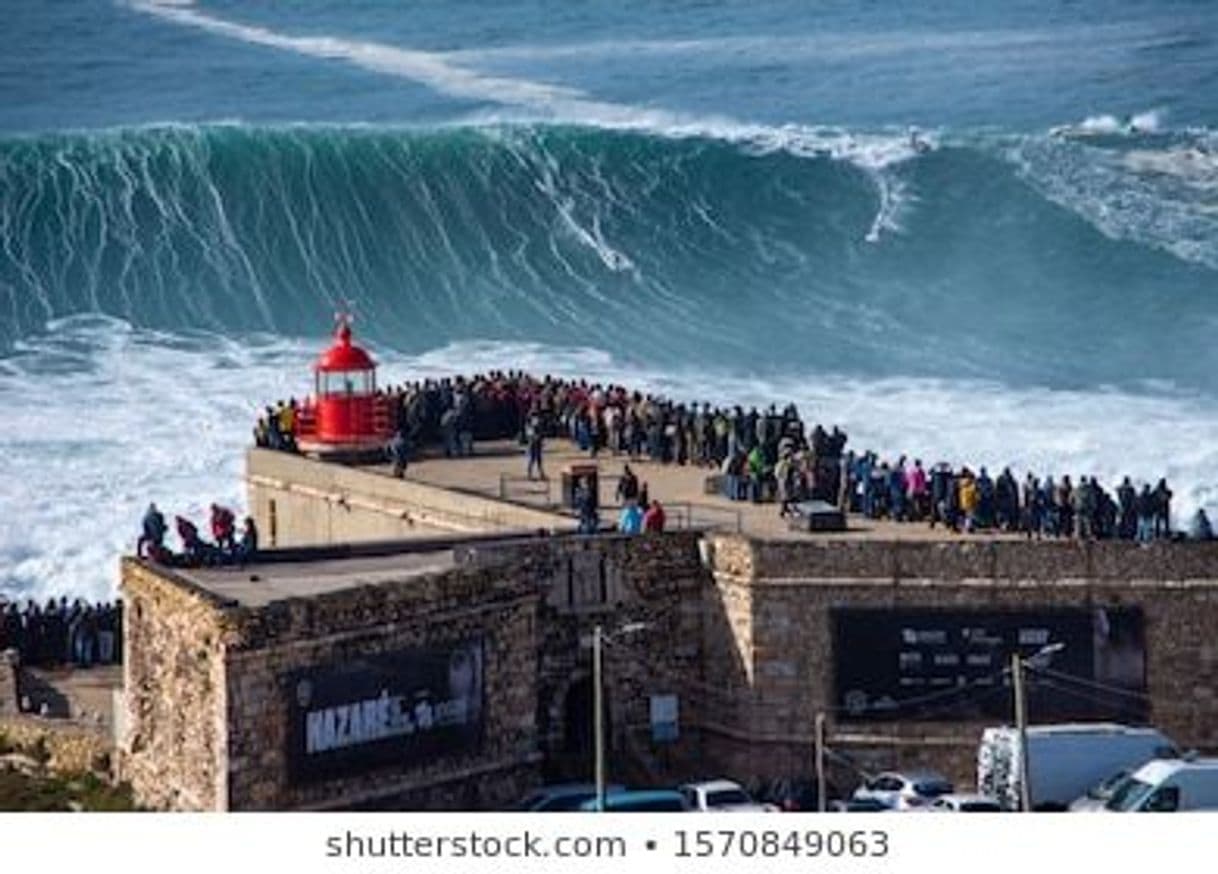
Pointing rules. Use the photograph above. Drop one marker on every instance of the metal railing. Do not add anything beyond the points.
(681, 515)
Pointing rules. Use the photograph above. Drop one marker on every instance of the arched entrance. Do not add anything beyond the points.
(573, 758)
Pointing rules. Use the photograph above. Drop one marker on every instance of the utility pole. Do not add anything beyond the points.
(1021, 720)
(820, 762)
(598, 696)
(1037, 660)
(598, 729)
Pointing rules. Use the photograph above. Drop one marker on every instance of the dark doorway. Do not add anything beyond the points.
(577, 736)
(577, 718)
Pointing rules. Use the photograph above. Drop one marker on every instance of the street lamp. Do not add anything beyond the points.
(598, 699)
(1037, 659)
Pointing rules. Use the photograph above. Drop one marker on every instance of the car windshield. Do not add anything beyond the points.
(653, 805)
(932, 788)
(529, 801)
(1105, 789)
(569, 802)
(979, 807)
(1129, 795)
(725, 797)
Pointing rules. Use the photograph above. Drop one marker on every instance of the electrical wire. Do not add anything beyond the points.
(749, 697)
(1094, 684)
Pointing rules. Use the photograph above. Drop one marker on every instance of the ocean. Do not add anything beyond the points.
(983, 233)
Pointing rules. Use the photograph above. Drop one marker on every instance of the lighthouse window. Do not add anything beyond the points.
(340, 382)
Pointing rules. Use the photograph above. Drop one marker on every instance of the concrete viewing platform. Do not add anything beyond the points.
(256, 585)
(496, 471)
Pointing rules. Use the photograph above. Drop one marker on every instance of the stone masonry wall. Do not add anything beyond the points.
(661, 586)
(10, 694)
(747, 649)
(297, 633)
(173, 751)
(788, 614)
(71, 748)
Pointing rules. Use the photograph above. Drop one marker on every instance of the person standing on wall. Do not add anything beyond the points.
(534, 438)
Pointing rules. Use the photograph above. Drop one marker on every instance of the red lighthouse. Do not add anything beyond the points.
(346, 417)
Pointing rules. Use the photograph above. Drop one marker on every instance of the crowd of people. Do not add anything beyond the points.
(963, 500)
(276, 427)
(455, 413)
(767, 455)
(225, 547)
(63, 633)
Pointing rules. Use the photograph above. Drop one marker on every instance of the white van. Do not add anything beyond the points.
(1064, 761)
(1167, 786)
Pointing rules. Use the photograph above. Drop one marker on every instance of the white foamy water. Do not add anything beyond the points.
(1131, 181)
(103, 418)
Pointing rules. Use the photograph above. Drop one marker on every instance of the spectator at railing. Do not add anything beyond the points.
(59, 633)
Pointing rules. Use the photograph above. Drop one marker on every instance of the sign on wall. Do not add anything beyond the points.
(931, 664)
(399, 708)
(665, 718)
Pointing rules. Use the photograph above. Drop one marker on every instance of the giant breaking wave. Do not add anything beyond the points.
(1038, 260)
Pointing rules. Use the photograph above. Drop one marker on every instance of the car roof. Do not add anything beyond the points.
(636, 796)
(915, 776)
(1160, 769)
(966, 798)
(545, 794)
(713, 785)
(641, 794)
(1091, 728)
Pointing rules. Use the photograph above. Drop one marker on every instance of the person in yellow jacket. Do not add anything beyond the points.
(286, 414)
(968, 498)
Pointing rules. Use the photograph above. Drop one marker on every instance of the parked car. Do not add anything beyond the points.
(965, 802)
(792, 793)
(1064, 761)
(1097, 796)
(905, 791)
(859, 805)
(640, 801)
(561, 797)
(721, 795)
(1167, 786)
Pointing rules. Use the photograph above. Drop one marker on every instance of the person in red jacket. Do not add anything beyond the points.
(653, 519)
(192, 545)
(222, 528)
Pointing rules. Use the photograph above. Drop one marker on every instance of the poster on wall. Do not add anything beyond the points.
(946, 665)
(400, 708)
(665, 718)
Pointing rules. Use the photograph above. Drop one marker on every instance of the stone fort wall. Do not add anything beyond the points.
(783, 593)
(209, 680)
(739, 629)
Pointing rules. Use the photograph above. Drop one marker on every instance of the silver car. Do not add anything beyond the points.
(965, 802)
(912, 790)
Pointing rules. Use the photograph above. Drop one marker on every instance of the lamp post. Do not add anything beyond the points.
(598, 701)
(820, 762)
(1018, 664)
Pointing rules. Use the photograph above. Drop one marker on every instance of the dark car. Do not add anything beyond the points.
(561, 797)
(860, 805)
(792, 794)
(640, 801)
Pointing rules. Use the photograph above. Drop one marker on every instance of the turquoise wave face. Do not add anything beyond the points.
(1058, 260)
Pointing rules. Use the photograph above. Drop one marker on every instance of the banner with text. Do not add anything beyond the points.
(937, 664)
(396, 708)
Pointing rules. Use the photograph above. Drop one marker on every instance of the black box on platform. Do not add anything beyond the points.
(817, 516)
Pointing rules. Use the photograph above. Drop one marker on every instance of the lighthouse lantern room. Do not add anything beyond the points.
(346, 417)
